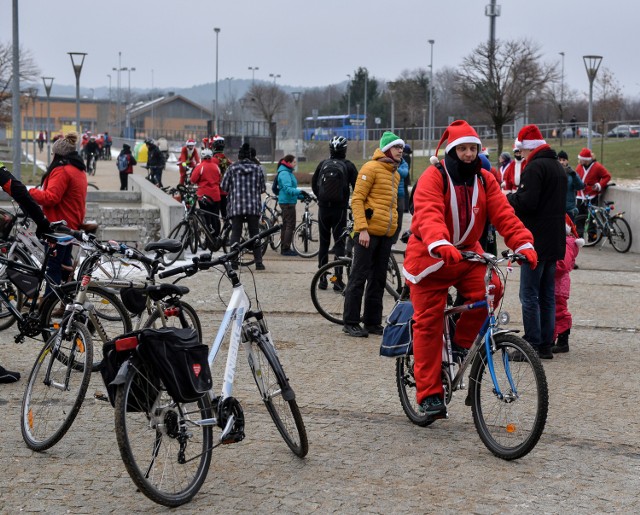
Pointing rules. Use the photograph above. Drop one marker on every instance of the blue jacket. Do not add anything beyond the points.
(288, 184)
(574, 184)
(403, 170)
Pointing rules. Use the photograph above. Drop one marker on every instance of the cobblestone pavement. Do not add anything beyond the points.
(365, 455)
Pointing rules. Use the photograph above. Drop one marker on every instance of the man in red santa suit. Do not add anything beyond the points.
(453, 200)
(595, 177)
(188, 159)
(511, 176)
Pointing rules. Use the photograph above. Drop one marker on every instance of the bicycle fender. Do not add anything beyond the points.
(618, 215)
(122, 374)
(505, 331)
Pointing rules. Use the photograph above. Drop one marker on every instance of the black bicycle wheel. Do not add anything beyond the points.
(275, 239)
(620, 235)
(15, 296)
(177, 314)
(247, 258)
(113, 267)
(56, 388)
(588, 229)
(406, 383)
(108, 312)
(329, 301)
(510, 426)
(182, 233)
(278, 396)
(306, 239)
(394, 278)
(194, 237)
(165, 450)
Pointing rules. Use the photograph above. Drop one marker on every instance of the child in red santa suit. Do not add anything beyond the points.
(451, 206)
(564, 266)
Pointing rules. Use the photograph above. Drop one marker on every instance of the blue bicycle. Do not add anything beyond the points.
(507, 390)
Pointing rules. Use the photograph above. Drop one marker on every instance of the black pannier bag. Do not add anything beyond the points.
(179, 360)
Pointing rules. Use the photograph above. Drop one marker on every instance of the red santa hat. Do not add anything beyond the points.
(585, 155)
(529, 138)
(457, 133)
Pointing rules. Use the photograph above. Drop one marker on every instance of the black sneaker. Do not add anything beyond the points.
(355, 330)
(6, 376)
(433, 407)
(322, 283)
(339, 286)
(544, 352)
(260, 266)
(374, 329)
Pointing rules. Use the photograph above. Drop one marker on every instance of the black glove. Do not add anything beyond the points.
(43, 228)
(304, 195)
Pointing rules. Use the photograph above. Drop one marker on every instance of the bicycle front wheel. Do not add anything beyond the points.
(181, 315)
(182, 233)
(620, 235)
(588, 229)
(510, 426)
(56, 388)
(165, 448)
(278, 396)
(327, 289)
(394, 278)
(306, 239)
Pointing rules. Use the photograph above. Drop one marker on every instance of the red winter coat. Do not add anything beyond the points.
(511, 176)
(435, 222)
(63, 195)
(207, 176)
(590, 175)
(192, 158)
(564, 266)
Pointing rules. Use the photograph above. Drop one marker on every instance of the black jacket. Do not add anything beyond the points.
(155, 158)
(540, 203)
(352, 175)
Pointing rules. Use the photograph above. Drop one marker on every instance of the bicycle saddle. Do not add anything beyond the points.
(164, 244)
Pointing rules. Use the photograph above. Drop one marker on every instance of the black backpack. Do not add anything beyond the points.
(333, 184)
(275, 188)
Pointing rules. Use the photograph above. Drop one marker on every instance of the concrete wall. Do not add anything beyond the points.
(627, 200)
(171, 211)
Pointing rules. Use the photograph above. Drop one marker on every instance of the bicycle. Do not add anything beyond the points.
(91, 164)
(166, 445)
(306, 236)
(272, 215)
(508, 391)
(599, 224)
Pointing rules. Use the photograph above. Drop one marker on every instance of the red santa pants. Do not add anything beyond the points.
(429, 298)
(564, 320)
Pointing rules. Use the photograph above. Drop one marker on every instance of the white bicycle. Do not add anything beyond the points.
(167, 445)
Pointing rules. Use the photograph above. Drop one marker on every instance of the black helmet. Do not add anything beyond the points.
(149, 141)
(218, 143)
(338, 143)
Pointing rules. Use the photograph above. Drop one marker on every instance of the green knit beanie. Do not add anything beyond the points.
(388, 140)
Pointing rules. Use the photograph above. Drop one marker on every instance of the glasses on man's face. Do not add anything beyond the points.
(398, 147)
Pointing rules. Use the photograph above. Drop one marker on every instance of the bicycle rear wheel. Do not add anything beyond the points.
(56, 387)
(620, 236)
(306, 239)
(247, 258)
(509, 427)
(395, 280)
(277, 395)
(179, 314)
(588, 229)
(114, 267)
(165, 448)
(182, 233)
(406, 384)
(329, 301)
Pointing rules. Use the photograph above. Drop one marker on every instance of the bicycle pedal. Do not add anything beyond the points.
(100, 396)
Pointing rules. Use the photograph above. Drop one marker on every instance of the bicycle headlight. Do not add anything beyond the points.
(503, 318)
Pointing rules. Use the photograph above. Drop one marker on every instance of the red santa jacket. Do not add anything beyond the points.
(63, 195)
(590, 175)
(436, 221)
(207, 176)
(191, 157)
(511, 177)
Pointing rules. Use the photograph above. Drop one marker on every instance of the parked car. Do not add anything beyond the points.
(581, 132)
(624, 131)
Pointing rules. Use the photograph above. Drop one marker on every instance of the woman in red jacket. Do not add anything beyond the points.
(62, 195)
(206, 175)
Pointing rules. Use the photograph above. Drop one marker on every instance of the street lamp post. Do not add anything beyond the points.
(48, 82)
(128, 102)
(77, 60)
(275, 76)
(431, 117)
(215, 114)
(424, 128)
(118, 100)
(253, 70)
(390, 89)
(358, 120)
(243, 105)
(364, 141)
(296, 100)
(33, 95)
(562, 101)
(349, 96)
(109, 112)
(591, 63)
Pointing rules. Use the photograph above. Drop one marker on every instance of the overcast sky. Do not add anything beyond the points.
(311, 43)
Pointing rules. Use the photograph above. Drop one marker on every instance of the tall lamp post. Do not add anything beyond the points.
(391, 90)
(349, 96)
(296, 100)
(591, 63)
(77, 60)
(364, 141)
(562, 101)
(128, 102)
(275, 76)
(48, 82)
(33, 95)
(431, 117)
(215, 113)
(253, 70)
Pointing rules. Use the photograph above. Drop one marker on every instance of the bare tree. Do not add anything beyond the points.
(497, 80)
(609, 104)
(28, 72)
(267, 100)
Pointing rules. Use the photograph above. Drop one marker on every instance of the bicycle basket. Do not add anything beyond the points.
(179, 360)
(134, 300)
(7, 221)
(397, 337)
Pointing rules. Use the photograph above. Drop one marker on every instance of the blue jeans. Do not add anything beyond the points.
(537, 296)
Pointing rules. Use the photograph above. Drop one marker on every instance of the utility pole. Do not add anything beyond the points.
(15, 96)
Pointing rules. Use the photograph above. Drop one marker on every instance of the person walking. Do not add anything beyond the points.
(288, 196)
(125, 163)
(540, 203)
(206, 175)
(244, 183)
(574, 185)
(453, 201)
(331, 183)
(375, 219)
(155, 162)
(41, 139)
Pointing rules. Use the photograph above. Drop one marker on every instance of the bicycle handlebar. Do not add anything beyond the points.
(490, 258)
(206, 264)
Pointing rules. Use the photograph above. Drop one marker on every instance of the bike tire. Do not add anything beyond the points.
(275, 240)
(173, 318)
(395, 280)
(278, 396)
(182, 233)
(247, 258)
(620, 234)
(194, 237)
(15, 296)
(151, 436)
(510, 428)
(49, 409)
(406, 383)
(330, 302)
(306, 239)
(113, 267)
(109, 312)
(589, 230)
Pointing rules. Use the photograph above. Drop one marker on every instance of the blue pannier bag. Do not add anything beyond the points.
(397, 336)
